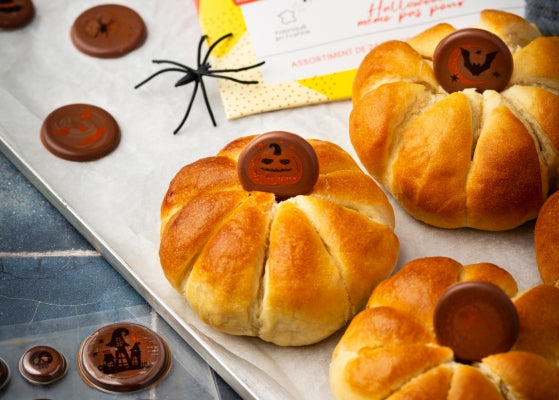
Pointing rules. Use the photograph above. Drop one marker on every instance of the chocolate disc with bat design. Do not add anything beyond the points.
(472, 58)
(278, 162)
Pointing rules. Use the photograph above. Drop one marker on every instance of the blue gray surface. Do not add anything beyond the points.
(49, 272)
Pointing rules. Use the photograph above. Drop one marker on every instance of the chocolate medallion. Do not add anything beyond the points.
(108, 31)
(472, 58)
(278, 162)
(475, 319)
(80, 132)
(15, 13)
(123, 357)
(43, 365)
(4, 373)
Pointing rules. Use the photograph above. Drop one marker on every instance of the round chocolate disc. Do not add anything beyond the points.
(15, 13)
(278, 162)
(123, 357)
(4, 373)
(80, 132)
(475, 319)
(472, 58)
(108, 31)
(42, 365)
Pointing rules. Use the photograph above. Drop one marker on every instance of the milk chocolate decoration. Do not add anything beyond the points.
(80, 132)
(43, 365)
(475, 319)
(278, 162)
(16, 13)
(123, 357)
(4, 373)
(472, 58)
(108, 31)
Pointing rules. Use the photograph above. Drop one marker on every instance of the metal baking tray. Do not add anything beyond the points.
(114, 202)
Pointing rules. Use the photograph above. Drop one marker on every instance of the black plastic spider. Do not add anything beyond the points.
(195, 75)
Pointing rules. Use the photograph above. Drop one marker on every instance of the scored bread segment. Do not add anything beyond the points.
(373, 359)
(291, 272)
(467, 159)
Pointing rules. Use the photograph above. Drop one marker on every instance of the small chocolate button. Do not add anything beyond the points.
(108, 31)
(80, 132)
(475, 319)
(472, 58)
(278, 162)
(15, 13)
(123, 357)
(42, 365)
(4, 373)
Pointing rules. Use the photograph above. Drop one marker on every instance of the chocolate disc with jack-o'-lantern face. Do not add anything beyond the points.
(472, 58)
(80, 132)
(278, 162)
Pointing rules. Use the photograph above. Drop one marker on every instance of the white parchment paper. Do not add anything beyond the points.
(115, 201)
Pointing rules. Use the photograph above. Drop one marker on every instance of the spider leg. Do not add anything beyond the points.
(238, 69)
(200, 43)
(207, 102)
(194, 91)
(155, 74)
(213, 46)
(171, 62)
(211, 75)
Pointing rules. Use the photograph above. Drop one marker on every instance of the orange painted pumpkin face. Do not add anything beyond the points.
(275, 166)
(278, 162)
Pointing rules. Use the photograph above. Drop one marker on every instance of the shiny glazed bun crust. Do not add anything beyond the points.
(291, 272)
(546, 240)
(466, 159)
(390, 350)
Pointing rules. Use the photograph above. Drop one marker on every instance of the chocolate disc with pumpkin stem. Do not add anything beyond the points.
(279, 162)
(80, 132)
(15, 13)
(472, 58)
(475, 319)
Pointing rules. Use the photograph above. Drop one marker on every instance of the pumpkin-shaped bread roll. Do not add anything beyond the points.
(292, 269)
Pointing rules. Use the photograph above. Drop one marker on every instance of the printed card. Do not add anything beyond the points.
(312, 48)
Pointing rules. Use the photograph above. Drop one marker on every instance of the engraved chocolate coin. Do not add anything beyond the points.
(278, 162)
(123, 357)
(4, 373)
(475, 319)
(43, 365)
(80, 132)
(472, 58)
(108, 31)
(16, 13)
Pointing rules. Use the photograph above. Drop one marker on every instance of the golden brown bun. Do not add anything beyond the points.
(390, 350)
(546, 240)
(467, 159)
(290, 272)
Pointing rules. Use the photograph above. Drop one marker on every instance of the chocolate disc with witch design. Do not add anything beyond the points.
(472, 58)
(80, 132)
(123, 357)
(278, 162)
